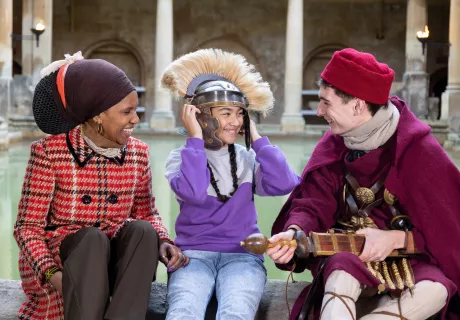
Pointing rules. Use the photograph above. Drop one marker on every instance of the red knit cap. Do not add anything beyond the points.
(359, 74)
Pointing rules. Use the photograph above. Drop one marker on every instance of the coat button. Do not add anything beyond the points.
(86, 199)
(113, 198)
(97, 224)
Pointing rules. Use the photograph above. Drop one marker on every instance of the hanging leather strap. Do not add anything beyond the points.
(375, 204)
(352, 204)
(314, 293)
(394, 210)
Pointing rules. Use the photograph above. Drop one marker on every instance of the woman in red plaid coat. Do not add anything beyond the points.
(89, 234)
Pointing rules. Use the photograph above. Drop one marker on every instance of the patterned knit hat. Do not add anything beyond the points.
(74, 90)
(359, 74)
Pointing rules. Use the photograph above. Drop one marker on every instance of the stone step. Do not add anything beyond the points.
(272, 307)
(273, 304)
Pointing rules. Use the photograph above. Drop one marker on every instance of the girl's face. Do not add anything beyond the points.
(230, 123)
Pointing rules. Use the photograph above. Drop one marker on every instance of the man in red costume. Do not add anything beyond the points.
(406, 183)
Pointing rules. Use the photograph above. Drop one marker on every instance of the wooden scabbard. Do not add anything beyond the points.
(328, 244)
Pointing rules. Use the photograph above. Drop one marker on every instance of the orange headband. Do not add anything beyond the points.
(60, 83)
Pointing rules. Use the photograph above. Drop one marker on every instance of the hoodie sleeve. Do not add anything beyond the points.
(273, 176)
(187, 172)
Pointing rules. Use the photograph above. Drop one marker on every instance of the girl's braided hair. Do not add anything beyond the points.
(221, 197)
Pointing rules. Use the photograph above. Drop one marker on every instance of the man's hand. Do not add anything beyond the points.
(380, 243)
(56, 281)
(281, 255)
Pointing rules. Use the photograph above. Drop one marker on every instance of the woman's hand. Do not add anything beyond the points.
(190, 122)
(56, 281)
(172, 257)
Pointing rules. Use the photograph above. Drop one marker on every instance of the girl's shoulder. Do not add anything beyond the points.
(244, 154)
(175, 154)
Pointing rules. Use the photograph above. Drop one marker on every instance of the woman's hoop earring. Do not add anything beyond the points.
(100, 130)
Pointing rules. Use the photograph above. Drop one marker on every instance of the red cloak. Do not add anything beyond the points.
(427, 185)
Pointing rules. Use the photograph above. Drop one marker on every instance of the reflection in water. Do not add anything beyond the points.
(13, 164)
(12, 168)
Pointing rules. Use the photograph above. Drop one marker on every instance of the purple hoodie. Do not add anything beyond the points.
(205, 223)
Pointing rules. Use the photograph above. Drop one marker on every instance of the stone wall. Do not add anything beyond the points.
(96, 26)
(258, 31)
(255, 29)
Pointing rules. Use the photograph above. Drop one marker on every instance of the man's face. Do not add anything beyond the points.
(342, 117)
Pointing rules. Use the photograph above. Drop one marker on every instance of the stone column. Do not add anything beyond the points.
(36, 58)
(450, 106)
(6, 67)
(415, 78)
(162, 116)
(27, 46)
(292, 120)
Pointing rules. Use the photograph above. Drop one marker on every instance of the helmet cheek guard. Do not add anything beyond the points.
(209, 125)
(210, 78)
(206, 100)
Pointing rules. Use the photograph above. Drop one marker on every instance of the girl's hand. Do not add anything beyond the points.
(254, 134)
(190, 122)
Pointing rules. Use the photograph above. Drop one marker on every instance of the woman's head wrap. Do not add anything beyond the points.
(74, 90)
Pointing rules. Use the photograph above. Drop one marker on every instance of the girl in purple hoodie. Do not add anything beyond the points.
(215, 179)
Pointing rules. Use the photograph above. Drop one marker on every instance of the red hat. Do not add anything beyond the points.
(360, 75)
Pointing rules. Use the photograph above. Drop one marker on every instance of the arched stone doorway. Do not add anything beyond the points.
(314, 63)
(127, 58)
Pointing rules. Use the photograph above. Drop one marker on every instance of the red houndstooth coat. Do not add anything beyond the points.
(67, 186)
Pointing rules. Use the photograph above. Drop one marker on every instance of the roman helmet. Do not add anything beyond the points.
(210, 78)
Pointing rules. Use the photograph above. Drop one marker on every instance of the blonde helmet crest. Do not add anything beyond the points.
(230, 66)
